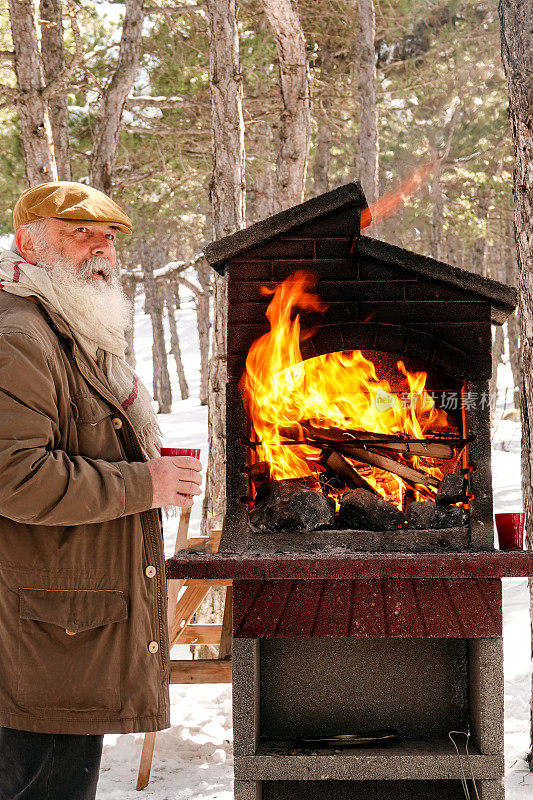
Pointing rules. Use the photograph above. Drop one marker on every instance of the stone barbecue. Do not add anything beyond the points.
(394, 453)
(359, 527)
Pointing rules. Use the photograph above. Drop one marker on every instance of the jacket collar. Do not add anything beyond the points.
(62, 328)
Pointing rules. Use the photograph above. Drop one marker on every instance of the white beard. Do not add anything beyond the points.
(102, 301)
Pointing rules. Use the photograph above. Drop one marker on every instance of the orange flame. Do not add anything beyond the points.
(387, 205)
(340, 390)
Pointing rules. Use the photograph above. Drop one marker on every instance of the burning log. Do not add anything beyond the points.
(362, 510)
(428, 515)
(404, 471)
(444, 448)
(335, 462)
(412, 447)
(290, 506)
(452, 489)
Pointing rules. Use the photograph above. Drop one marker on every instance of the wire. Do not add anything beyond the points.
(464, 781)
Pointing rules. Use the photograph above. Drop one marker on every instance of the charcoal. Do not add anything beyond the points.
(289, 506)
(427, 515)
(260, 472)
(362, 510)
(452, 489)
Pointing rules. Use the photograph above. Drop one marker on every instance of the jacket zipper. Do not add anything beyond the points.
(144, 516)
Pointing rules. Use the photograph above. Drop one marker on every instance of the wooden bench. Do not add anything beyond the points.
(181, 610)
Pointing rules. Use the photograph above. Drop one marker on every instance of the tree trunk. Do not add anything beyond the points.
(498, 348)
(228, 205)
(129, 285)
(322, 158)
(114, 99)
(437, 225)
(175, 341)
(513, 322)
(513, 334)
(479, 252)
(35, 129)
(53, 62)
(154, 306)
(203, 270)
(439, 162)
(453, 253)
(516, 18)
(260, 193)
(368, 146)
(489, 261)
(295, 131)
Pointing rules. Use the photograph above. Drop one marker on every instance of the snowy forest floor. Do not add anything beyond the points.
(193, 759)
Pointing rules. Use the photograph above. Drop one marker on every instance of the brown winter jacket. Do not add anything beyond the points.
(83, 630)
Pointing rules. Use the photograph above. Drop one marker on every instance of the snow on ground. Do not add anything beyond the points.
(516, 628)
(193, 759)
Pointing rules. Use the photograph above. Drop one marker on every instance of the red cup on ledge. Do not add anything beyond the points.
(180, 451)
(510, 529)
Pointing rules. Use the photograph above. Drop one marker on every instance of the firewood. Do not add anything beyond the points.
(390, 465)
(344, 469)
(432, 447)
(423, 448)
(418, 447)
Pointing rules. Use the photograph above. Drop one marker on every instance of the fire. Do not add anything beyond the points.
(337, 390)
(389, 203)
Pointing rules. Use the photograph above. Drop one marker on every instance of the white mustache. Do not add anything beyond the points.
(95, 264)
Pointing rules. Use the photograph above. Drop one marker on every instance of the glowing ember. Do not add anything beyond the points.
(336, 390)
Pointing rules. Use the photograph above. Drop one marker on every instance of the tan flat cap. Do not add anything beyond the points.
(70, 201)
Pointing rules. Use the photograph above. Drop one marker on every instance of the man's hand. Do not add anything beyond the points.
(175, 480)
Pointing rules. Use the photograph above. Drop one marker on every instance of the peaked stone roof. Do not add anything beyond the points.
(503, 298)
(350, 194)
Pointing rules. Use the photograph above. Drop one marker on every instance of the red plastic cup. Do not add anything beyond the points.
(180, 451)
(510, 529)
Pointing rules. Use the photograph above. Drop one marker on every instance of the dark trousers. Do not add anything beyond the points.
(48, 766)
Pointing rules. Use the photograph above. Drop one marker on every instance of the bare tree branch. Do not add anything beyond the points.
(146, 101)
(163, 131)
(10, 91)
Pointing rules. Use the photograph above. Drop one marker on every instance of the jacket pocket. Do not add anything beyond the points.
(70, 644)
(95, 436)
(89, 410)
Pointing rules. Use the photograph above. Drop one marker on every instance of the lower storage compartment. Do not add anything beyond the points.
(362, 790)
(292, 697)
(325, 687)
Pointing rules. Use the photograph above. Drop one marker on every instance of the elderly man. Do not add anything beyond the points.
(83, 625)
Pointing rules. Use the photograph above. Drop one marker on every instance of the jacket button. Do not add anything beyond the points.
(117, 423)
(153, 647)
(150, 571)
(70, 633)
